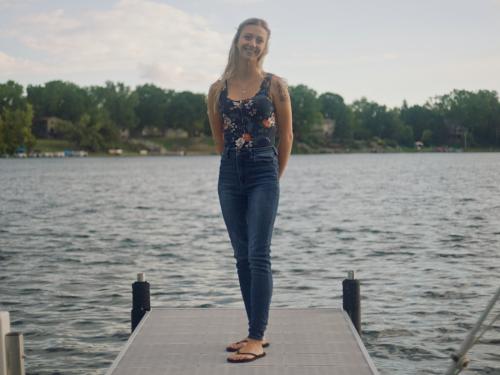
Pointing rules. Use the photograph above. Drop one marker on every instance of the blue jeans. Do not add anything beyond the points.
(248, 193)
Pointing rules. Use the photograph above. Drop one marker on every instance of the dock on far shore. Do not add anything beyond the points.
(191, 341)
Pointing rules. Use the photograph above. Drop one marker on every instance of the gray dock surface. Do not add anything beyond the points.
(191, 341)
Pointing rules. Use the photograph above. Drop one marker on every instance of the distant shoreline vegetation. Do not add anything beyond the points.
(61, 115)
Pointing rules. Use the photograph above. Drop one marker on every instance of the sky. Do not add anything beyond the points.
(385, 50)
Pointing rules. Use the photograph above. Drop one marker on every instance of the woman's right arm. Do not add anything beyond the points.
(215, 119)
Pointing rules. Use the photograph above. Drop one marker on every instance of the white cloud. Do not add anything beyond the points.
(6, 62)
(140, 40)
(164, 73)
(10, 65)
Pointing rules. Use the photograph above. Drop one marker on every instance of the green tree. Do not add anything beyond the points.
(119, 101)
(188, 111)
(375, 121)
(3, 142)
(422, 118)
(11, 96)
(60, 99)
(426, 137)
(306, 111)
(371, 119)
(16, 129)
(474, 115)
(16, 116)
(332, 107)
(95, 131)
(152, 109)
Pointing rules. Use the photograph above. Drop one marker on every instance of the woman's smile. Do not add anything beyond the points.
(251, 50)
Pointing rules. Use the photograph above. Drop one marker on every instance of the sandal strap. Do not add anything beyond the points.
(255, 355)
(237, 343)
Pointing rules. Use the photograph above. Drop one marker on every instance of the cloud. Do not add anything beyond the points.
(6, 62)
(10, 65)
(165, 73)
(135, 39)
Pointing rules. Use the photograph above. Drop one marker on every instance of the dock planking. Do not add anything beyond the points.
(191, 341)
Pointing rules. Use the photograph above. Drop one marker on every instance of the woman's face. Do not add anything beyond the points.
(252, 42)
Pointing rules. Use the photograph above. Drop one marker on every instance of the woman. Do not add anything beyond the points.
(248, 109)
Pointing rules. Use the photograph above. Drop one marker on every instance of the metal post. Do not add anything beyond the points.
(140, 299)
(351, 300)
(4, 329)
(14, 341)
(460, 361)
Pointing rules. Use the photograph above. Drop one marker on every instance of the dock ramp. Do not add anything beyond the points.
(191, 341)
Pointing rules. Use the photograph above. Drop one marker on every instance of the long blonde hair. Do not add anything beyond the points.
(233, 58)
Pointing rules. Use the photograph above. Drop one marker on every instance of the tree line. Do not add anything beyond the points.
(95, 118)
(460, 118)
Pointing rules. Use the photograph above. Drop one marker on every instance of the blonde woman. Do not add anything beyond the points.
(248, 109)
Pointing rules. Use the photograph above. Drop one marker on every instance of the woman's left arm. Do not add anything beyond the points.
(283, 112)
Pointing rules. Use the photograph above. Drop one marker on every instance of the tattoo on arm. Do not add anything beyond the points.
(282, 91)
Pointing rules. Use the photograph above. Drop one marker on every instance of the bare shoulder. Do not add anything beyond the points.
(279, 88)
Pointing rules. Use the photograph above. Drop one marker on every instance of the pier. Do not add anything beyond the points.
(191, 341)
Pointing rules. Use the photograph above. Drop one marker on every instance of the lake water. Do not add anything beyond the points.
(421, 231)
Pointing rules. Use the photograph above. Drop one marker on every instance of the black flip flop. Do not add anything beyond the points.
(229, 349)
(255, 356)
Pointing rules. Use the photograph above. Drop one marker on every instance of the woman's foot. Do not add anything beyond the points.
(251, 350)
(235, 346)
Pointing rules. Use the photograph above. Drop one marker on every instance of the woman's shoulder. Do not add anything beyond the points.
(274, 77)
(278, 86)
(276, 80)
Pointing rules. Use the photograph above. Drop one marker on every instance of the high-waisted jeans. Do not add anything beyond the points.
(248, 193)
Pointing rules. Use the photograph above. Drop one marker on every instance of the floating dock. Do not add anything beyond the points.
(192, 341)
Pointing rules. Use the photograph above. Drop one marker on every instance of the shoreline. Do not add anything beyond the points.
(204, 146)
(198, 153)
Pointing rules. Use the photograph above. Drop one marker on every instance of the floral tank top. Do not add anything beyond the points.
(248, 123)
